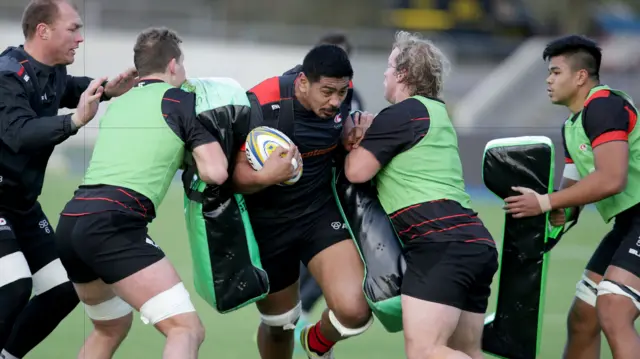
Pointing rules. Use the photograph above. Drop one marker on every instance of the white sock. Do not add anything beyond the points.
(5, 355)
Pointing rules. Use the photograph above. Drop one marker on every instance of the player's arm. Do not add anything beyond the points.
(246, 180)
(178, 107)
(391, 132)
(22, 130)
(606, 122)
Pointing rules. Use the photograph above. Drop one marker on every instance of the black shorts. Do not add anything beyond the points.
(108, 245)
(621, 246)
(284, 246)
(28, 232)
(450, 273)
(451, 256)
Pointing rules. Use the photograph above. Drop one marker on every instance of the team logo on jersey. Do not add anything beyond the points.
(338, 118)
(583, 147)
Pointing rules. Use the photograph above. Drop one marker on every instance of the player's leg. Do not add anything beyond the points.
(442, 280)
(118, 249)
(280, 310)
(618, 303)
(310, 293)
(157, 292)
(15, 280)
(482, 264)
(53, 294)
(110, 315)
(583, 328)
(334, 261)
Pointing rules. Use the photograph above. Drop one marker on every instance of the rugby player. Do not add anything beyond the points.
(102, 233)
(601, 148)
(301, 222)
(310, 291)
(411, 151)
(34, 85)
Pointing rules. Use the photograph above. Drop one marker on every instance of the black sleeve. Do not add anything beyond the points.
(178, 109)
(76, 85)
(606, 119)
(20, 127)
(396, 129)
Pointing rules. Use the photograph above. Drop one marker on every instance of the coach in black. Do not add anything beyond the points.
(34, 85)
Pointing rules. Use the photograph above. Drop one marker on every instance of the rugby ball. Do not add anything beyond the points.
(261, 142)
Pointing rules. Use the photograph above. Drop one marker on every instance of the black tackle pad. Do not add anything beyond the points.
(514, 331)
(379, 247)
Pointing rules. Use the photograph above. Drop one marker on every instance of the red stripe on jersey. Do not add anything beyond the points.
(568, 160)
(597, 94)
(633, 118)
(267, 91)
(609, 137)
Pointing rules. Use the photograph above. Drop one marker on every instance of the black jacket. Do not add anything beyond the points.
(31, 94)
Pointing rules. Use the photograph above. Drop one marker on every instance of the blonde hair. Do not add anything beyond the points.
(422, 64)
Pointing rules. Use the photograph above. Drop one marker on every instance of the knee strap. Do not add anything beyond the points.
(49, 276)
(286, 321)
(348, 332)
(610, 287)
(587, 290)
(113, 308)
(167, 304)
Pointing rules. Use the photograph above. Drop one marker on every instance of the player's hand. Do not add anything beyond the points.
(557, 218)
(89, 103)
(121, 83)
(278, 167)
(362, 122)
(528, 204)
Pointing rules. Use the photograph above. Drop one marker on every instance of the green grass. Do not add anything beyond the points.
(231, 336)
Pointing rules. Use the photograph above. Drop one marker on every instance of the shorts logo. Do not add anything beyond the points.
(151, 242)
(3, 225)
(338, 225)
(44, 224)
(634, 252)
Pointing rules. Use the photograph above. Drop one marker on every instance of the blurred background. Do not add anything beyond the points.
(497, 86)
(496, 89)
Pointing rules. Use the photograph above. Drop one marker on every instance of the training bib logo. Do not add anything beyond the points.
(583, 147)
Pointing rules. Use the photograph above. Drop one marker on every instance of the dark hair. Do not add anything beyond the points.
(338, 39)
(583, 53)
(326, 61)
(39, 12)
(154, 49)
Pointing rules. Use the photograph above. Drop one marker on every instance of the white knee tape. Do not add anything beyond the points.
(113, 308)
(167, 304)
(348, 332)
(587, 290)
(13, 267)
(286, 321)
(49, 276)
(607, 287)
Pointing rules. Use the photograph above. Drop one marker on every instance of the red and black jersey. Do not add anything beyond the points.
(317, 139)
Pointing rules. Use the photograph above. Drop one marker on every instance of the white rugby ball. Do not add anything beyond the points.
(261, 142)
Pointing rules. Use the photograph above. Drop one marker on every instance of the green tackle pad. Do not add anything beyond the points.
(227, 270)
